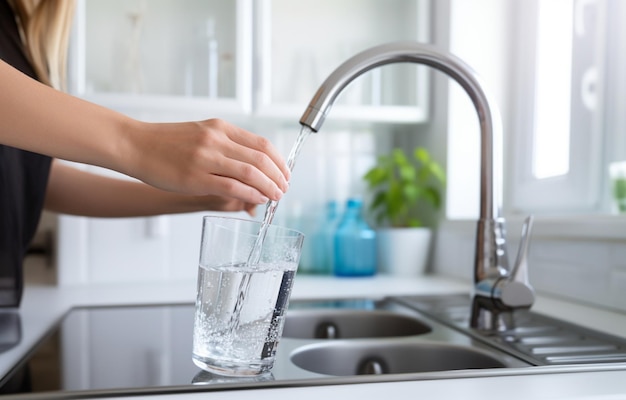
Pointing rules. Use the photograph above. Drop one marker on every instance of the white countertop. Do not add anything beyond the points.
(43, 306)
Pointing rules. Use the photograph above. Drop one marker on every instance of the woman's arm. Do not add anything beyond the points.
(72, 191)
(201, 158)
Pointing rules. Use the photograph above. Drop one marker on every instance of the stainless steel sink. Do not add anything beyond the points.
(333, 342)
(379, 337)
(535, 338)
(350, 324)
(347, 338)
(375, 357)
(431, 334)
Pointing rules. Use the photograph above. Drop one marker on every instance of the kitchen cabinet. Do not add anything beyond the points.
(253, 61)
(163, 59)
(298, 44)
(166, 59)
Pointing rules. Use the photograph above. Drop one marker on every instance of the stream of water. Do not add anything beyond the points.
(255, 255)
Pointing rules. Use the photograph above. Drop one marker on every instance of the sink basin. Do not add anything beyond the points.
(375, 357)
(350, 324)
(384, 337)
(431, 334)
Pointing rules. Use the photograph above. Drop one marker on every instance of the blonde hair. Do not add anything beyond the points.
(45, 29)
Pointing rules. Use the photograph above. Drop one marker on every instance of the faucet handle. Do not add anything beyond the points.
(519, 272)
(514, 290)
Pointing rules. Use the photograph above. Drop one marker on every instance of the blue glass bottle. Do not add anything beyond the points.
(322, 241)
(355, 243)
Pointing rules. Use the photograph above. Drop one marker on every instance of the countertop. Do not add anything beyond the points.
(43, 306)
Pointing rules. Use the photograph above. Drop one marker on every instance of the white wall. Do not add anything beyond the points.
(587, 267)
(479, 34)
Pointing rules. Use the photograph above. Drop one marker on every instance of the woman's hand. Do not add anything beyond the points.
(77, 192)
(210, 157)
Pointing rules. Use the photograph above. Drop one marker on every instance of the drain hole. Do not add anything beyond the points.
(326, 330)
(372, 366)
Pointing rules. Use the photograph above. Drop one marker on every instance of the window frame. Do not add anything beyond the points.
(506, 72)
(582, 189)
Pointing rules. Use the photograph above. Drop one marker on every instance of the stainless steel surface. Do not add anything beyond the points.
(498, 289)
(350, 324)
(372, 357)
(447, 349)
(381, 338)
(535, 338)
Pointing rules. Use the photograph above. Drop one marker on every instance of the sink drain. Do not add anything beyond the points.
(326, 330)
(372, 366)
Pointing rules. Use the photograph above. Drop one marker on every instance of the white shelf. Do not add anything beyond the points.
(151, 58)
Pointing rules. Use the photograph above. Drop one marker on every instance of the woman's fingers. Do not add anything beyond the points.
(230, 187)
(253, 168)
(210, 157)
(263, 146)
(249, 159)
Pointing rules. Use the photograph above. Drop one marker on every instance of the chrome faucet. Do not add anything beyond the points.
(498, 289)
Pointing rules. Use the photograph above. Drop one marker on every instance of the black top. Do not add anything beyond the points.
(23, 180)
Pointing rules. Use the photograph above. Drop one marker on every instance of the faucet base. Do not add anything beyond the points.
(486, 316)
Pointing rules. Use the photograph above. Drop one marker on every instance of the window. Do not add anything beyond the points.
(566, 127)
(553, 65)
(557, 71)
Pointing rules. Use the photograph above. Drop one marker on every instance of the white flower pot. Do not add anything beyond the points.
(403, 251)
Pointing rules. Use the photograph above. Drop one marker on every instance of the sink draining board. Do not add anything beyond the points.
(535, 338)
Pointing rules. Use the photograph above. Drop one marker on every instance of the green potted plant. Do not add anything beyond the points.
(403, 188)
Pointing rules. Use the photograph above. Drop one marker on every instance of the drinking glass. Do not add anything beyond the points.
(239, 306)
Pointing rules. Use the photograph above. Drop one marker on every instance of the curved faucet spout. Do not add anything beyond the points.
(418, 53)
(491, 262)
